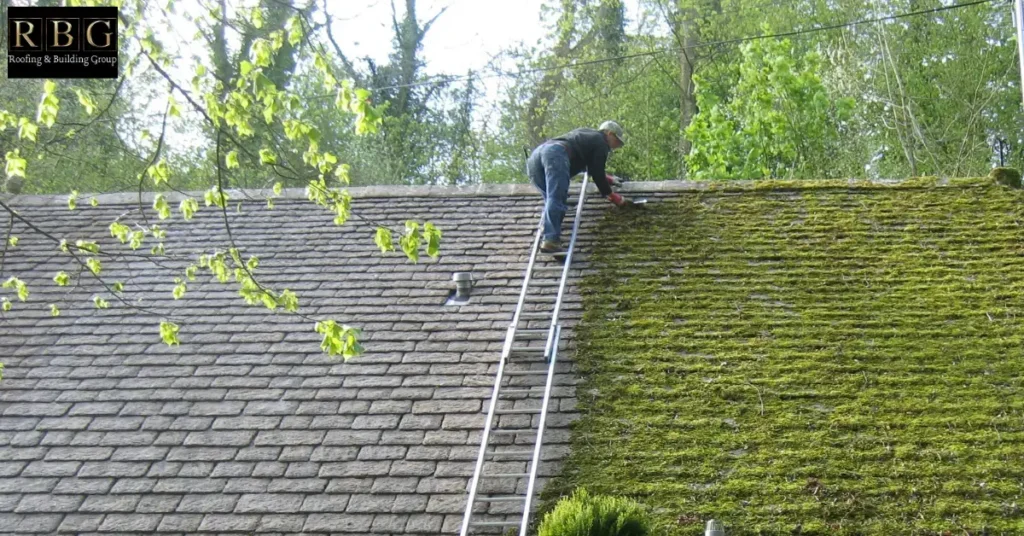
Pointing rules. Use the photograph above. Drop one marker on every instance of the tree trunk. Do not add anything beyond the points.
(221, 61)
(537, 109)
(684, 25)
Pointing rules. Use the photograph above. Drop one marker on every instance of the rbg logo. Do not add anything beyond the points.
(62, 42)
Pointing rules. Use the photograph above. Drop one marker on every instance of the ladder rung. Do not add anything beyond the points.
(525, 373)
(513, 432)
(517, 391)
(535, 316)
(506, 475)
(501, 498)
(540, 299)
(494, 523)
(516, 411)
(513, 453)
(528, 349)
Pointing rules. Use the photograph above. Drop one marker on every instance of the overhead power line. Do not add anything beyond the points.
(444, 79)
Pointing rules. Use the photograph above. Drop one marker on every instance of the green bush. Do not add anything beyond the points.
(586, 515)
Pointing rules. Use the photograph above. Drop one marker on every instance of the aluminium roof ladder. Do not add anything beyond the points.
(500, 465)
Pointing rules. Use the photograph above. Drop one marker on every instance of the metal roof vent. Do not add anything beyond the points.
(463, 285)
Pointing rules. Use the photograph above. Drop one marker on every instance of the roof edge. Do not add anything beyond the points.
(520, 189)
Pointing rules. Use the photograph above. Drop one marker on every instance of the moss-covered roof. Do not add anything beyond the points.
(832, 359)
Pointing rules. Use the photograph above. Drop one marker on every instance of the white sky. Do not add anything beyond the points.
(465, 37)
(468, 35)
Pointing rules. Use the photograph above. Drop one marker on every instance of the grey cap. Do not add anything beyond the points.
(614, 128)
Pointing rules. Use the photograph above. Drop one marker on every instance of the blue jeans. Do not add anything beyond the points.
(548, 168)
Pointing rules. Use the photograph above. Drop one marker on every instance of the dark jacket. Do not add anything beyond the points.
(588, 150)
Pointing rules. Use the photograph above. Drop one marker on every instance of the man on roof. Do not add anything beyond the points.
(555, 161)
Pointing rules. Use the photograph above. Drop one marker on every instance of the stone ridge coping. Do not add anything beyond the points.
(507, 190)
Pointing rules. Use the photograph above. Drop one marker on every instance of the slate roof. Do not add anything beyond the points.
(247, 426)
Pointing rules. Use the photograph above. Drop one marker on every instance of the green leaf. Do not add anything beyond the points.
(13, 241)
(49, 105)
(190, 272)
(342, 207)
(173, 108)
(261, 52)
(188, 208)
(268, 300)
(339, 339)
(16, 165)
(94, 202)
(5, 305)
(18, 285)
(159, 172)
(232, 160)
(157, 249)
(294, 28)
(257, 17)
(120, 231)
(62, 279)
(117, 286)
(289, 301)
(383, 240)
(252, 263)
(270, 203)
(410, 241)
(341, 172)
(245, 68)
(433, 235)
(100, 303)
(136, 239)
(73, 200)
(267, 157)
(94, 265)
(54, 311)
(277, 188)
(28, 129)
(214, 196)
(87, 245)
(86, 101)
(179, 290)
(200, 70)
(169, 333)
(161, 206)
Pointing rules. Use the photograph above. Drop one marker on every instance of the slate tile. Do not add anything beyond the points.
(130, 522)
(269, 503)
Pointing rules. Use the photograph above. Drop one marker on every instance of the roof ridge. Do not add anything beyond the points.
(518, 189)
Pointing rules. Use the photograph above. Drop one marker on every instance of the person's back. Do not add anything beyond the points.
(588, 151)
(553, 162)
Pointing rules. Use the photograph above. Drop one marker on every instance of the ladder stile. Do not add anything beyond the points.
(540, 440)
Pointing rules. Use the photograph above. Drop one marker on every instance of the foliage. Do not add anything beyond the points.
(818, 359)
(256, 126)
(778, 121)
(583, 514)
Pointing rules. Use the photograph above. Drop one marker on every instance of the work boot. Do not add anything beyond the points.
(552, 247)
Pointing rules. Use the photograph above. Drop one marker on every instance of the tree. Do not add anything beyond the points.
(232, 102)
(779, 121)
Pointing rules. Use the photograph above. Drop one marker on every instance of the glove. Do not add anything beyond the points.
(613, 180)
(617, 199)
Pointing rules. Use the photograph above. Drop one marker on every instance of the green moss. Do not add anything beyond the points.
(1006, 176)
(838, 360)
(841, 184)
